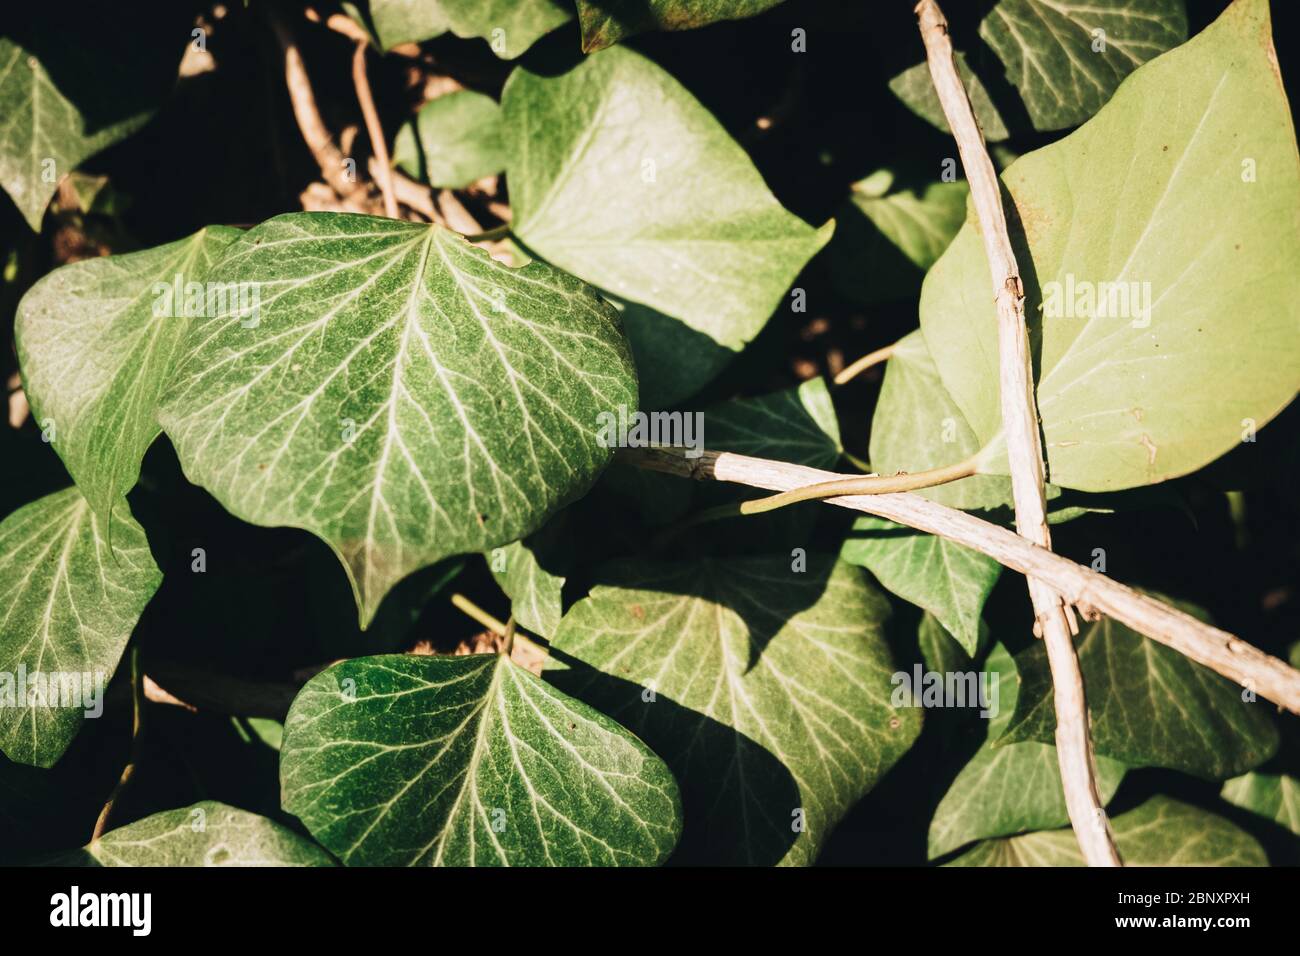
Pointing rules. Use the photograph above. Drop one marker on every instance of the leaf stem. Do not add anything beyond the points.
(866, 485)
(508, 631)
(861, 365)
(137, 730)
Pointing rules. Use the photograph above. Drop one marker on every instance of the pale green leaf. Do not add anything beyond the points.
(68, 604)
(1274, 796)
(1150, 706)
(1161, 832)
(98, 341)
(402, 395)
(403, 760)
(606, 22)
(915, 87)
(1183, 192)
(605, 168)
(531, 574)
(766, 689)
(453, 141)
(888, 237)
(1010, 789)
(1063, 67)
(509, 26)
(407, 21)
(205, 834)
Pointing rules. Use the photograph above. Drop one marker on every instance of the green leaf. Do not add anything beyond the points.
(402, 395)
(794, 425)
(888, 238)
(673, 361)
(1161, 832)
(1063, 67)
(1274, 796)
(606, 22)
(950, 581)
(453, 141)
(71, 86)
(917, 426)
(402, 760)
(1011, 789)
(98, 341)
(205, 834)
(509, 26)
(529, 571)
(407, 21)
(940, 650)
(766, 689)
(68, 603)
(1150, 705)
(915, 87)
(1149, 192)
(614, 172)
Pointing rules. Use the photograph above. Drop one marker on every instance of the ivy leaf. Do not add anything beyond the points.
(950, 581)
(453, 141)
(1067, 57)
(796, 425)
(68, 603)
(529, 572)
(406, 21)
(606, 22)
(605, 166)
(1150, 705)
(915, 87)
(1274, 796)
(1161, 832)
(1011, 789)
(205, 834)
(402, 760)
(673, 360)
(1183, 191)
(57, 107)
(98, 341)
(398, 393)
(509, 26)
(888, 237)
(766, 689)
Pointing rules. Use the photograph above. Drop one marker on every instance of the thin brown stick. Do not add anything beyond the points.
(1091, 591)
(374, 128)
(137, 728)
(1024, 450)
(852, 371)
(314, 131)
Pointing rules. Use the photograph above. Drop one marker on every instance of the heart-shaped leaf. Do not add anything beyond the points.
(206, 834)
(406, 21)
(606, 167)
(403, 760)
(98, 341)
(453, 140)
(606, 22)
(1150, 705)
(531, 572)
(1011, 789)
(1156, 234)
(68, 604)
(795, 424)
(765, 686)
(1161, 832)
(1066, 57)
(398, 392)
(71, 86)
